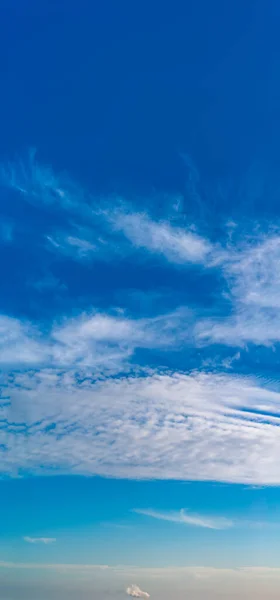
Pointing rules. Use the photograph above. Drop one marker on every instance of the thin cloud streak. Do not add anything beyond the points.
(39, 540)
(186, 518)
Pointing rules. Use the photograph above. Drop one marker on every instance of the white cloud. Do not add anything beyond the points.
(20, 342)
(177, 245)
(39, 540)
(97, 230)
(135, 591)
(95, 339)
(254, 272)
(186, 518)
(161, 426)
(251, 271)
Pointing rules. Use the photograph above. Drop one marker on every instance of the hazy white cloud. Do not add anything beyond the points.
(39, 540)
(165, 573)
(186, 518)
(135, 591)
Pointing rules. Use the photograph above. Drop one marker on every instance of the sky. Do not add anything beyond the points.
(140, 300)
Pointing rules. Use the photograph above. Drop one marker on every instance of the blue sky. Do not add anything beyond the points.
(140, 311)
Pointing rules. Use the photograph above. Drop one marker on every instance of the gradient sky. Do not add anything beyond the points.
(140, 299)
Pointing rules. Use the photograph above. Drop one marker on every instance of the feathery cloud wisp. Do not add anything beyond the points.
(187, 518)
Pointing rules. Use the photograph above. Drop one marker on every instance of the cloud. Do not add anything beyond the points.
(39, 185)
(109, 231)
(92, 339)
(163, 573)
(39, 540)
(73, 246)
(154, 425)
(20, 342)
(135, 591)
(187, 519)
(251, 272)
(177, 245)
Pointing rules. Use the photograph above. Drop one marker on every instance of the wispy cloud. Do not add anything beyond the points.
(253, 282)
(39, 540)
(72, 245)
(39, 185)
(94, 339)
(98, 230)
(186, 518)
(177, 245)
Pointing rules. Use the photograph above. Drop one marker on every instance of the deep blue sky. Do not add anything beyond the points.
(113, 92)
